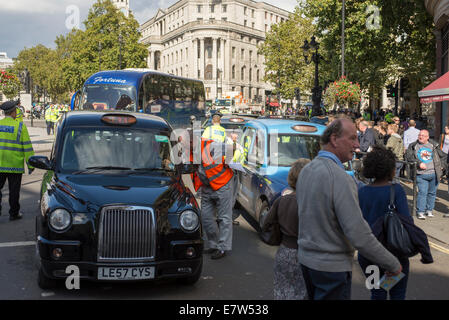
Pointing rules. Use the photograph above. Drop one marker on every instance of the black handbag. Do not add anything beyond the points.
(397, 239)
(271, 234)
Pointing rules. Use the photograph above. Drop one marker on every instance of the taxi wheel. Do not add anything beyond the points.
(264, 208)
(45, 282)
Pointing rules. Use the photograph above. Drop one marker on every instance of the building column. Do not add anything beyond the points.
(202, 58)
(215, 65)
(194, 58)
(151, 64)
(222, 62)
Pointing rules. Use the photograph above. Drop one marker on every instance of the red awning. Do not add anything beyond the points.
(274, 104)
(437, 91)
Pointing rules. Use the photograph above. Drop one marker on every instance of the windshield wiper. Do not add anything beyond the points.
(101, 168)
(151, 169)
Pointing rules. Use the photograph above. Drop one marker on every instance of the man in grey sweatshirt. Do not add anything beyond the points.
(331, 224)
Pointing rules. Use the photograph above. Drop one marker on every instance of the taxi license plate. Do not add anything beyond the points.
(129, 273)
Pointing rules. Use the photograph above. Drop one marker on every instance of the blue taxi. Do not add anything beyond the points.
(272, 146)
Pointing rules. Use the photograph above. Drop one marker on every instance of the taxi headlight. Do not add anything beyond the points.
(189, 220)
(60, 219)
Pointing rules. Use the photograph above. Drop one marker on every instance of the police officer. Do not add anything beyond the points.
(48, 119)
(19, 116)
(215, 179)
(15, 147)
(215, 131)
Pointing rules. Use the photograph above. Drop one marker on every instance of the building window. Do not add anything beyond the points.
(250, 55)
(187, 54)
(224, 19)
(257, 75)
(266, 15)
(245, 23)
(209, 51)
(252, 13)
(233, 74)
(223, 8)
(253, 24)
(250, 74)
(182, 58)
(244, 10)
(199, 19)
(208, 72)
(242, 74)
(212, 8)
(233, 89)
(233, 52)
(199, 8)
(242, 54)
(266, 28)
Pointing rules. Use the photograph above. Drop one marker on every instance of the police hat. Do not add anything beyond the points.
(217, 114)
(8, 106)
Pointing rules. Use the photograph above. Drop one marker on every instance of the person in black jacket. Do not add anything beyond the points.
(425, 153)
(374, 199)
(367, 137)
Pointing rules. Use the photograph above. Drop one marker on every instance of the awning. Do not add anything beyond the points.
(274, 104)
(437, 91)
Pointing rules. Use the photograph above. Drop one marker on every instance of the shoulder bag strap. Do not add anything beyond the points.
(391, 206)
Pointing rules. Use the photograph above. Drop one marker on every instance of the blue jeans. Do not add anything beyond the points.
(398, 291)
(427, 191)
(323, 285)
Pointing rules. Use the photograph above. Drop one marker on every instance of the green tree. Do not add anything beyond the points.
(284, 59)
(399, 44)
(103, 26)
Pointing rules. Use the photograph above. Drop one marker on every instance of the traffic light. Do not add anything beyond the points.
(392, 91)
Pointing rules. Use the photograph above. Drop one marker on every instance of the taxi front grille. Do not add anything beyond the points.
(127, 234)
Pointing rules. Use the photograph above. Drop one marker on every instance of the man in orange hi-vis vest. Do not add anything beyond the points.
(214, 177)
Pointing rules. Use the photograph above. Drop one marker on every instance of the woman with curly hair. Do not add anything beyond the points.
(380, 165)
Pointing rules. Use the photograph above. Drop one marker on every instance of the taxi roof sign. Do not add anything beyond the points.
(119, 119)
(304, 128)
(236, 120)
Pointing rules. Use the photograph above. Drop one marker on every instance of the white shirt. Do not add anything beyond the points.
(410, 136)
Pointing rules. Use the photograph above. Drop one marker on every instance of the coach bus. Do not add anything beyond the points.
(168, 96)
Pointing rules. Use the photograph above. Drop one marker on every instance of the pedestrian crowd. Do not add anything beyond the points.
(335, 218)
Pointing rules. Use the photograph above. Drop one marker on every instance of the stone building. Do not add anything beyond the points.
(123, 6)
(214, 41)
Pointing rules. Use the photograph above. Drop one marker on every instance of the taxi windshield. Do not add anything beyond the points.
(291, 147)
(108, 97)
(115, 148)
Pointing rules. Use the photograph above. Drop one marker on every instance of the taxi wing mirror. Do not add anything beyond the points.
(40, 162)
(252, 159)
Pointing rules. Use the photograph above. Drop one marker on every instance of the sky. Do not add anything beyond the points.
(27, 23)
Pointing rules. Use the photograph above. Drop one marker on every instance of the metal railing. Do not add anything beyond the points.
(409, 168)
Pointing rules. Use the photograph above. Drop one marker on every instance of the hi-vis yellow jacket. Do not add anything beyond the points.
(15, 146)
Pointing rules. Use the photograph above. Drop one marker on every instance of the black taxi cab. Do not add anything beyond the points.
(113, 203)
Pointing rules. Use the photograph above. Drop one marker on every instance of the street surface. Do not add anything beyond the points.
(246, 273)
